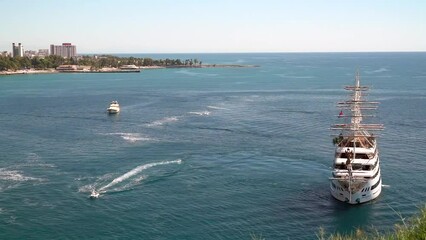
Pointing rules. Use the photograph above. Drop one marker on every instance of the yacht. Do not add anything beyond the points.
(129, 68)
(356, 174)
(113, 108)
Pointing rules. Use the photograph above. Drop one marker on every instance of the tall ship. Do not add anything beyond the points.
(356, 174)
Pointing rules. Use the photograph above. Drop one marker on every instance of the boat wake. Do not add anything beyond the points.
(162, 121)
(117, 185)
(196, 74)
(203, 113)
(132, 137)
(380, 70)
(15, 175)
(12, 178)
(217, 108)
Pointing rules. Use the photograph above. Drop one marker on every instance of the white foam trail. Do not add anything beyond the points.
(162, 121)
(189, 73)
(217, 108)
(385, 186)
(130, 184)
(86, 188)
(34, 157)
(204, 113)
(132, 137)
(383, 69)
(16, 176)
(135, 171)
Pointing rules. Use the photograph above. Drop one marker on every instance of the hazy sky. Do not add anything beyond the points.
(174, 26)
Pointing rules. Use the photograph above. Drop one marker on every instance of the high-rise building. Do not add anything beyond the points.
(66, 50)
(17, 51)
(43, 52)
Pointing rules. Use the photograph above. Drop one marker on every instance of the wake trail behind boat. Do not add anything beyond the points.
(217, 108)
(134, 172)
(163, 121)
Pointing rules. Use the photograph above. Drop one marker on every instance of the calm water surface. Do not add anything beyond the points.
(204, 153)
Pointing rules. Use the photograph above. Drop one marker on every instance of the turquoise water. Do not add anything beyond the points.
(204, 153)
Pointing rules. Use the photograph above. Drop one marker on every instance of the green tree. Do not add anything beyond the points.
(147, 62)
(4, 64)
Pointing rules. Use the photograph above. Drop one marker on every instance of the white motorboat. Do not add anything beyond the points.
(94, 194)
(113, 108)
(356, 174)
(130, 68)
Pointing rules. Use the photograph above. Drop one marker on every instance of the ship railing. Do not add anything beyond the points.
(355, 174)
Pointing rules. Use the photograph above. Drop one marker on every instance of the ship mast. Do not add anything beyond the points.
(355, 128)
(356, 111)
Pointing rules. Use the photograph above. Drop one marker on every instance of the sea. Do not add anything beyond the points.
(205, 153)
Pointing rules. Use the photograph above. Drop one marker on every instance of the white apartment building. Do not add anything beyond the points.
(66, 50)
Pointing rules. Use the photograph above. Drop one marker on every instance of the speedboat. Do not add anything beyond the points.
(113, 108)
(94, 194)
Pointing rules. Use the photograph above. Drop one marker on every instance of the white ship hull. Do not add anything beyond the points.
(369, 191)
(358, 197)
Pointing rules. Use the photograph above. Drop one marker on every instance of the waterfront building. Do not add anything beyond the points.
(66, 50)
(43, 52)
(30, 53)
(17, 51)
(5, 54)
(67, 68)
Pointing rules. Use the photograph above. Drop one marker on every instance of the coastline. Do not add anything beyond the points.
(28, 71)
(117, 70)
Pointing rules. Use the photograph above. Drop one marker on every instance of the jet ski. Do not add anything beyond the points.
(94, 194)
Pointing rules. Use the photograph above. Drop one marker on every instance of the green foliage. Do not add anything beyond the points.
(113, 61)
(337, 140)
(17, 63)
(413, 229)
(9, 63)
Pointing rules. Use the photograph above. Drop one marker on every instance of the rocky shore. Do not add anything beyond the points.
(28, 71)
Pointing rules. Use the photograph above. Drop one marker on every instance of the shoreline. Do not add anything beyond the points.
(29, 71)
(117, 70)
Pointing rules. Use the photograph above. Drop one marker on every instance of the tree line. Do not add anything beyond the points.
(98, 62)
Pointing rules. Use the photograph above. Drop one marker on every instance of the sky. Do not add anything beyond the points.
(205, 26)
